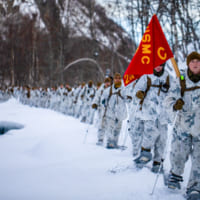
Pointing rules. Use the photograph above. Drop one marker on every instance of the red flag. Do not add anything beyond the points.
(152, 52)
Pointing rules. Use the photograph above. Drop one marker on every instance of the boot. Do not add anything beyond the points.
(174, 181)
(156, 167)
(100, 142)
(144, 158)
(110, 146)
(193, 193)
(83, 119)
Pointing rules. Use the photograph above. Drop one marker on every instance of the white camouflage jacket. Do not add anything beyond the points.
(152, 106)
(114, 103)
(188, 118)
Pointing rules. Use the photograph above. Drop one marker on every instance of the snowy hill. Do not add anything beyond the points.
(49, 160)
(46, 36)
(77, 17)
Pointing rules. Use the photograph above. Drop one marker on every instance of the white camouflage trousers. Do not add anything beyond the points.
(149, 135)
(111, 129)
(184, 145)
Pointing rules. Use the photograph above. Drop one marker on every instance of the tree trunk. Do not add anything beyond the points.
(12, 71)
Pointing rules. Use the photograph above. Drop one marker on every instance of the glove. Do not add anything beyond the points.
(91, 96)
(140, 94)
(116, 120)
(94, 106)
(165, 88)
(129, 97)
(179, 104)
(103, 101)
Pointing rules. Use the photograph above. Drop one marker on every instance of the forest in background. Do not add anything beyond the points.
(71, 41)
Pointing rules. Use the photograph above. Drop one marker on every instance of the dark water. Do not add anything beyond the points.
(6, 126)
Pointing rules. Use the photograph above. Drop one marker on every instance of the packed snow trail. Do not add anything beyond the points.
(48, 160)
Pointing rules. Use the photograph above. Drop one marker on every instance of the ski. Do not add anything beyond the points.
(129, 167)
(121, 147)
(120, 169)
(99, 143)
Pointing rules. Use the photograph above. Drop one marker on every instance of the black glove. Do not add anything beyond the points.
(164, 88)
(129, 97)
(178, 105)
(140, 94)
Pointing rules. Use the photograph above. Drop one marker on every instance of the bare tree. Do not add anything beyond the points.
(180, 20)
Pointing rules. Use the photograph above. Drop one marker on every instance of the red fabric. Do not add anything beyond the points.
(153, 50)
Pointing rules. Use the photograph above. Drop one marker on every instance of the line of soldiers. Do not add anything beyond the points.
(154, 103)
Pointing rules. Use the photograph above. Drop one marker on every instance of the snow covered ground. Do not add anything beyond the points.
(52, 159)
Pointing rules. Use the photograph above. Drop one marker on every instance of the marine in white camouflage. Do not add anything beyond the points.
(151, 121)
(113, 99)
(88, 94)
(185, 100)
(96, 104)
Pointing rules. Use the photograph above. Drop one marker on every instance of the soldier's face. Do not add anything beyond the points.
(117, 79)
(194, 66)
(107, 84)
(158, 68)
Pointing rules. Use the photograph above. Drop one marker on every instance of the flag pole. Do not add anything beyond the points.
(175, 67)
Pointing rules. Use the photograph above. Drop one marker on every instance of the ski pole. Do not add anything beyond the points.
(125, 137)
(86, 133)
(157, 175)
(162, 160)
